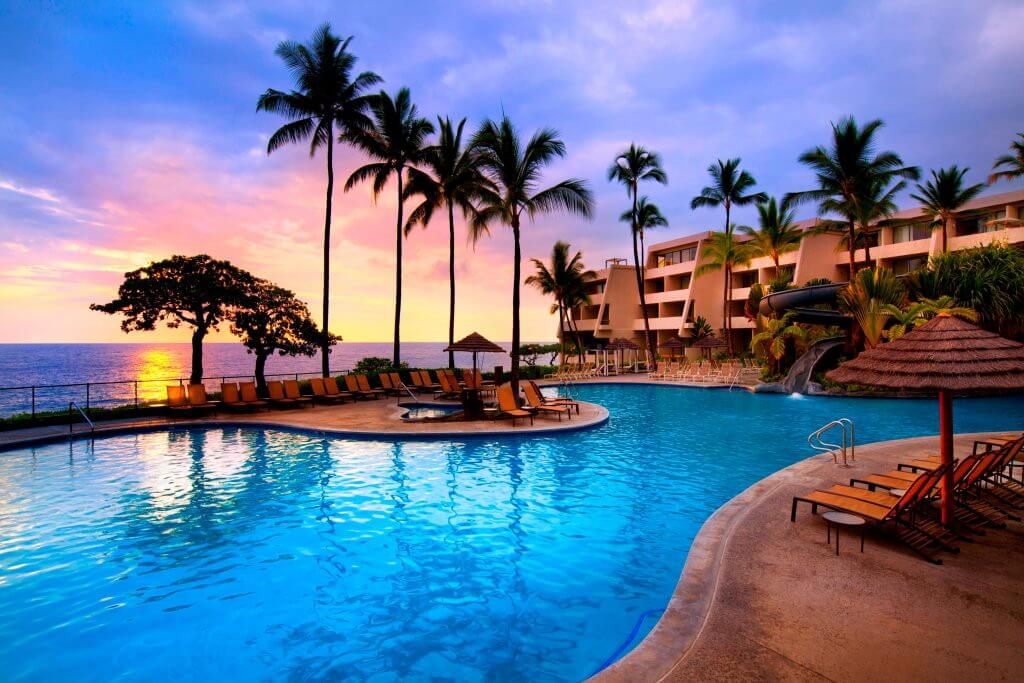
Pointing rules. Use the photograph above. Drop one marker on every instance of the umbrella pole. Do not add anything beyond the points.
(946, 454)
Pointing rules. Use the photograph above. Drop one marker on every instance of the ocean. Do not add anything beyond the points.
(155, 365)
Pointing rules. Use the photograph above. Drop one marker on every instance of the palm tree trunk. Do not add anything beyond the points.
(725, 307)
(853, 248)
(579, 340)
(514, 378)
(640, 287)
(260, 373)
(451, 284)
(197, 355)
(397, 353)
(561, 332)
(325, 339)
(945, 234)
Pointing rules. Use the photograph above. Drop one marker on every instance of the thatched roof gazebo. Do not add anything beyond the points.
(475, 343)
(945, 355)
(620, 344)
(674, 343)
(709, 342)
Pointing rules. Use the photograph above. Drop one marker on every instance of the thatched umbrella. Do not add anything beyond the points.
(709, 342)
(674, 343)
(944, 355)
(475, 343)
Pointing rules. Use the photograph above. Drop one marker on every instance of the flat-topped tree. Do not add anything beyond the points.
(272, 320)
(193, 290)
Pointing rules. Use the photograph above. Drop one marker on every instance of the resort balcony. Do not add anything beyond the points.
(674, 269)
(740, 322)
(662, 323)
(1008, 235)
(739, 293)
(670, 295)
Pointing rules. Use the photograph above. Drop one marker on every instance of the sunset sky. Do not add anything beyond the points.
(129, 133)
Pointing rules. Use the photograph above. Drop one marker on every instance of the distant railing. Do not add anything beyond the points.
(37, 398)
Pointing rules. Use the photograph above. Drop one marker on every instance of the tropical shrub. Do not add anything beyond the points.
(701, 328)
(868, 297)
(373, 365)
(777, 338)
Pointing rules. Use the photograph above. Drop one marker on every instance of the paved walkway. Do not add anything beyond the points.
(765, 599)
(378, 417)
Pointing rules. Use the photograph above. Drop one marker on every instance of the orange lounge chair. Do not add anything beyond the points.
(247, 391)
(231, 398)
(353, 388)
(197, 399)
(428, 383)
(554, 401)
(177, 399)
(397, 383)
(915, 530)
(292, 392)
(364, 386)
(276, 396)
(387, 386)
(507, 405)
(535, 402)
(320, 394)
(331, 385)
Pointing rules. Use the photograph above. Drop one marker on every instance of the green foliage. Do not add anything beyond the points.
(989, 280)
(775, 339)
(814, 281)
(701, 328)
(373, 365)
(781, 283)
(531, 352)
(1010, 166)
(868, 299)
(753, 302)
(777, 233)
(566, 281)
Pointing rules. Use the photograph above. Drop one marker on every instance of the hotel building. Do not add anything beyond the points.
(675, 295)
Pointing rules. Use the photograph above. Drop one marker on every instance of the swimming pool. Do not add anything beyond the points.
(423, 411)
(256, 554)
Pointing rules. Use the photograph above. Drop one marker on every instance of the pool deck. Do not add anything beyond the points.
(762, 598)
(363, 418)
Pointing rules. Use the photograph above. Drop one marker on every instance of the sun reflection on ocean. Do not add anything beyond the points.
(155, 368)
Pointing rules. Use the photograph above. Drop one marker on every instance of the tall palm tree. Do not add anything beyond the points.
(875, 205)
(867, 298)
(849, 171)
(564, 280)
(326, 98)
(515, 168)
(630, 167)
(727, 189)
(396, 140)
(944, 195)
(777, 233)
(1014, 162)
(724, 252)
(450, 179)
(648, 217)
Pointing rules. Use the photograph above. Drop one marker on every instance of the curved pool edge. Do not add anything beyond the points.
(691, 605)
(600, 417)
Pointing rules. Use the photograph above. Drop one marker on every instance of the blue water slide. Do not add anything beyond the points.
(802, 299)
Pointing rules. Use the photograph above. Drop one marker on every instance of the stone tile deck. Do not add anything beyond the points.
(765, 599)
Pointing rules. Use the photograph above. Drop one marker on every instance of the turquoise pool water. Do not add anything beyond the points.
(250, 554)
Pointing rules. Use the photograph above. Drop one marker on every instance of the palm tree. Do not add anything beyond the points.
(396, 140)
(456, 183)
(630, 168)
(648, 217)
(849, 171)
(777, 233)
(877, 204)
(326, 97)
(944, 195)
(773, 339)
(728, 183)
(565, 280)
(722, 251)
(515, 169)
(905, 319)
(1013, 162)
(868, 298)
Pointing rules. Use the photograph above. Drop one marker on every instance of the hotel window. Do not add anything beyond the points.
(745, 279)
(670, 258)
(906, 266)
(972, 225)
(911, 232)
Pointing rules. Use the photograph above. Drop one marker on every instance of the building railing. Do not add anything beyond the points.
(33, 399)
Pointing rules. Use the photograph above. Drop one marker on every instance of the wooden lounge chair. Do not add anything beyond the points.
(292, 391)
(231, 398)
(554, 401)
(197, 399)
(177, 399)
(247, 392)
(353, 388)
(448, 388)
(320, 393)
(919, 532)
(331, 387)
(419, 385)
(364, 386)
(507, 405)
(387, 386)
(397, 383)
(276, 396)
(536, 403)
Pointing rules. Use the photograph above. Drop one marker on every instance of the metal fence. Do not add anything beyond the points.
(135, 393)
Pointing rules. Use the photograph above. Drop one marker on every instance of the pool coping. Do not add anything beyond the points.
(690, 607)
(600, 417)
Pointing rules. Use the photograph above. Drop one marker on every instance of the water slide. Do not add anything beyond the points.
(801, 301)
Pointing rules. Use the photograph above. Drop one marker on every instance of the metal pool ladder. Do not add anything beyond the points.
(816, 441)
(72, 406)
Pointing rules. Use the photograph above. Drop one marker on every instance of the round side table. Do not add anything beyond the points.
(841, 519)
